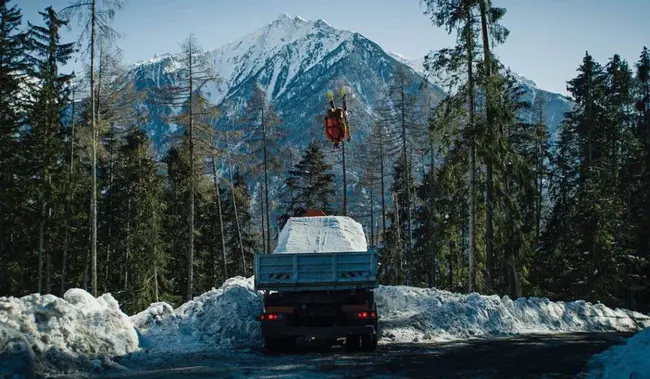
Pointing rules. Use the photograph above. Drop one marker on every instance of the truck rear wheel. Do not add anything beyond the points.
(277, 345)
(352, 343)
(369, 343)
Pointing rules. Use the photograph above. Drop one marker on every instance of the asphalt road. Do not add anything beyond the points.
(533, 356)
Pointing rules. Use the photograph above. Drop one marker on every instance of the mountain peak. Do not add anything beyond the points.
(286, 20)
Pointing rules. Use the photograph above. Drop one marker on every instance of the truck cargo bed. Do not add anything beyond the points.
(316, 271)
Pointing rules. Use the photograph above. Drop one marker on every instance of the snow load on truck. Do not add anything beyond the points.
(323, 234)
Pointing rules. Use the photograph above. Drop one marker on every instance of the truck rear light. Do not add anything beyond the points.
(269, 316)
(372, 315)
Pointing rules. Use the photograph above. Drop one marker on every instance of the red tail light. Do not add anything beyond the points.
(269, 316)
(367, 314)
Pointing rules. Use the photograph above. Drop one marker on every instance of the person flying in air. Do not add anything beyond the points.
(336, 121)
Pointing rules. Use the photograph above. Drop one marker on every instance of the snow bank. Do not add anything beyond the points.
(17, 359)
(227, 318)
(410, 314)
(629, 361)
(326, 234)
(69, 331)
(152, 315)
(224, 318)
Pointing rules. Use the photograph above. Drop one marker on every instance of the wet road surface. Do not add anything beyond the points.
(531, 356)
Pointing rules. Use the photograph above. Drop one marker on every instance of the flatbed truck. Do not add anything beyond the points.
(321, 297)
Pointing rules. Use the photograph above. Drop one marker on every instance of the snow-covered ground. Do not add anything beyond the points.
(76, 331)
(409, 314)
(224, 318)
(81, 331)
(629, 361)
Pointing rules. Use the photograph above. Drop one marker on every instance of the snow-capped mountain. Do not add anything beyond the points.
(296, 62)
(555, 104)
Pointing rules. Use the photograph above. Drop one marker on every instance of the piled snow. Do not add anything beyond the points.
(152, 315)
(325, 234)
(80, 328)
(224, 318)
(624, 361)
(409, 314)
(16, 355)
(73, 328)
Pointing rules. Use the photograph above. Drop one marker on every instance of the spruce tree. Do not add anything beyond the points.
(12, 66)
(46, 134)
(641, 196)
(96, 17)
(459, 61)
(490, 17)
(137, 196)
(309, 184)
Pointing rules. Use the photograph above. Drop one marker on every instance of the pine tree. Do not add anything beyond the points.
(96, 20)
(262, 143)
(187, 92)
(240, 229)
(640, 196)
(401, 118)
(587, 208)
(400, 220)
(12, 65)
(382, 149)
(137, 194)
(458, 16)
(490, 27)
(176, 195)
(309, 184)
(46, 133)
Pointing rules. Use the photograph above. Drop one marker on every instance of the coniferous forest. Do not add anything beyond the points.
(464, 194)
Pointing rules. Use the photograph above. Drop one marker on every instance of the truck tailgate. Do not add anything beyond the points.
(316, 271)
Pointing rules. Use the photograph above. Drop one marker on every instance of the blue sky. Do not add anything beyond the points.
(547, 42)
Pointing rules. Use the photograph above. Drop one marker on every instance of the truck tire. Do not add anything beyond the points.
(352, 343)
(369, 343)
(275, 345)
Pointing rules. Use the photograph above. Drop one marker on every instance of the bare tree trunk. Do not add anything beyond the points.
(87, 258)
(383, 186)
(266, 188)
(190, 258)
(98, 121)
(451, 265)
(41, 244)
(372, 217)
(93, 124)
(263, 229)
(223, 237)
(472, 157)
(127, 256)
(489, 228)
(407, 177)
(432, 212)
(66, 226)
(234, 204)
